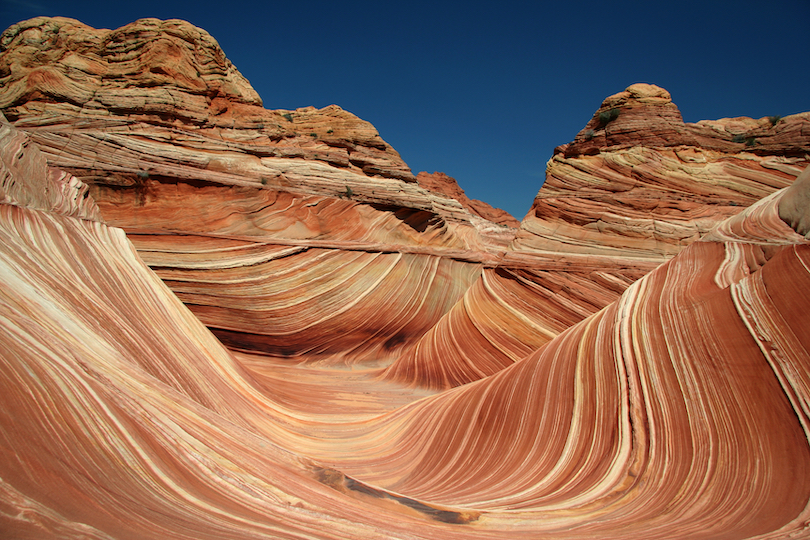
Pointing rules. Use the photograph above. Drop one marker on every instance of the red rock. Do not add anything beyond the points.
(644, 115)
(617, 412)
(650, 184)
(447, 186)
(794, 208)
(634, 365)
(173, 77)
(217, 192)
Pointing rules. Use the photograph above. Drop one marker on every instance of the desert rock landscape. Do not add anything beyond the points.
(219, 320)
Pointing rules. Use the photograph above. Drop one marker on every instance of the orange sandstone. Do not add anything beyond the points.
(213, 324)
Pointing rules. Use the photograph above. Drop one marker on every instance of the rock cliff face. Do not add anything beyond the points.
(186, 276)
(637, 182)
(441, 183)
(217, 192)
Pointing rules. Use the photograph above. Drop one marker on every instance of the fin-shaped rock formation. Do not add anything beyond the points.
(218, 320)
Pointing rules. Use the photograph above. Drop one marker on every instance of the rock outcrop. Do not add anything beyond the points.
(608, 214)
(122, 415)
(217, 192)
(186, 277)
(794, 209)
(638, 182)
(644, 115)
(438, 182)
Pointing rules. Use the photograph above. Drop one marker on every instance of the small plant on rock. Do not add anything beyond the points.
(288, 116)
(741, 138)
(774, 120)
(606, 117)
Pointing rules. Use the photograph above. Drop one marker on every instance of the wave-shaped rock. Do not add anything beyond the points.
(174, 337)
(676, 411)
(27, 181)
(218, 192)
(648, 417)
(629, 193)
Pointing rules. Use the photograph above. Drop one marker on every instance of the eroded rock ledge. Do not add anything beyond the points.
(222, 198)
(122, 416)
(644, 115)
(638, 183)
(614, 373)
(171, 79)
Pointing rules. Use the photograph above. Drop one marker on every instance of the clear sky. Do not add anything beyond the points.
(484, 91)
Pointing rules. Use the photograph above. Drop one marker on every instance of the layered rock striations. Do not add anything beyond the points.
(188, 276)
(159, 99)
(635, 187)
(446, 185)
(637, 182)
(220, 194)
(647, 413)
(123, 416)
(644, 115)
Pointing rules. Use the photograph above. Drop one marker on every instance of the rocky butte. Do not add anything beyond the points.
(223, 321)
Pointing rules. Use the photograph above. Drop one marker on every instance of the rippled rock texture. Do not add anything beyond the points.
(638, 182)
(218, 320)
(225, 199)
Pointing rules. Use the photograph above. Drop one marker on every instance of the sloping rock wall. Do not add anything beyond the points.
(123, 416)
(223, 321)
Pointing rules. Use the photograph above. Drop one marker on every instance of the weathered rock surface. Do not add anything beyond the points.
(794, 209)
(646, 413)
(603, 219)
(638, 185)
(644, 115)
(441, 183)
(637, 182)
(633, 365)
(123, 416)
(218, 192)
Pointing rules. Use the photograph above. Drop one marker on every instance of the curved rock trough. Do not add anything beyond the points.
(222, 321)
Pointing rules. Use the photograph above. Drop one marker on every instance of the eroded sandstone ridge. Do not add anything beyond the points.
(638, 182)
(217, 192)
(218, 320)
(441, 183)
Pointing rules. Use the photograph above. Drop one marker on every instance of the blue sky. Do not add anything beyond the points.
(484, 91)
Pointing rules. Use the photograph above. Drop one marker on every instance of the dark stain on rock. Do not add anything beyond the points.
(340, 482)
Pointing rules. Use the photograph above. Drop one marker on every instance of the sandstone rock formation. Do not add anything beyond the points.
(640, 183)
(644, 115)
(446, 185)
(271, 190)
(187, 278)
(605, 217)
(795, 206)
